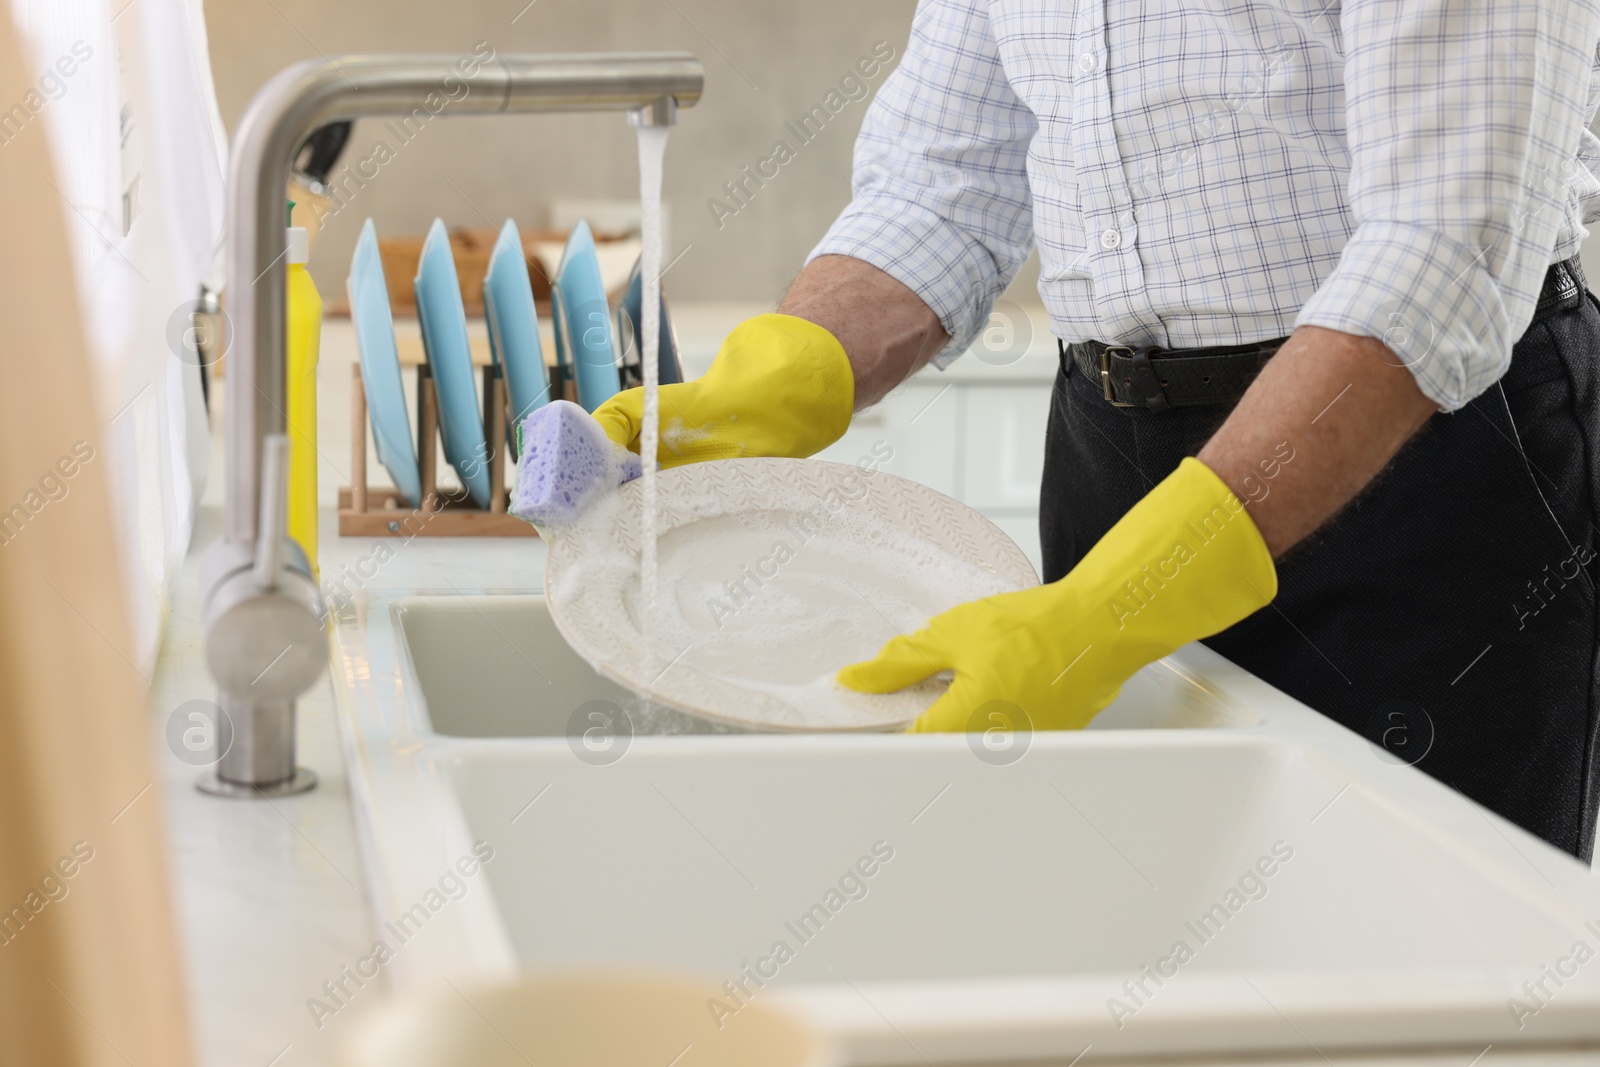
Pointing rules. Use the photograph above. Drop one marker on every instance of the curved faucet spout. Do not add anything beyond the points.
(259, 605)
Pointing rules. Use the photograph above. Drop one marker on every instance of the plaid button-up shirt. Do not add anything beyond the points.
(1211, 172)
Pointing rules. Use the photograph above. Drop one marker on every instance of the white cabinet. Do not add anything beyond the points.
(1003, 452)
(913, 434)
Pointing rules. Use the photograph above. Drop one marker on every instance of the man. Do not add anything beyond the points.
(1294, 253)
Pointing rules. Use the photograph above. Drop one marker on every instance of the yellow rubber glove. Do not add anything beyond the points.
(1184, 563)
(780, 386)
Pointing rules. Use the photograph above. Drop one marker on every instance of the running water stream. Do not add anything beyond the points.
(652, 151)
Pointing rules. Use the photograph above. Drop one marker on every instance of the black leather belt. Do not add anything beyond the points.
(1162, 379)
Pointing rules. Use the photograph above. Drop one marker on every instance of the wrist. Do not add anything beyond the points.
(1185, 562)
(886, 329)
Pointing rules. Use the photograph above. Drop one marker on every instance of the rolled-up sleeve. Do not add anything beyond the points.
(1464, 119)
(941, 200)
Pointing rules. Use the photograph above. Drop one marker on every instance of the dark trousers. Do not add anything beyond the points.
(1448, 613)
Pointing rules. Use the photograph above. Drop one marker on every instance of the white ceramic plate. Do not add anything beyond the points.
(774, 574)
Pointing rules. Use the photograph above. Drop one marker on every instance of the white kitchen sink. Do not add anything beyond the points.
(1016, 908)
(496, 666)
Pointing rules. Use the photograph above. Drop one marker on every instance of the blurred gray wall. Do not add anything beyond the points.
(767, 63)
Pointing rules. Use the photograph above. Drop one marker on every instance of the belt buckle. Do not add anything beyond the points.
(1105, 374)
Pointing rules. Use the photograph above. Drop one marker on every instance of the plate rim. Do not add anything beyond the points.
(670, 365)
(445, 365)
(518, 365)
(382, 374)
(1016, 568)
(580, 262)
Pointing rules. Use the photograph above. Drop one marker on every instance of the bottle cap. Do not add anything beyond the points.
(299, 244)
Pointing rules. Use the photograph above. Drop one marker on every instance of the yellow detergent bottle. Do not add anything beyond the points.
(305, 334)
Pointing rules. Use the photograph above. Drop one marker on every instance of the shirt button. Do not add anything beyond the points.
(1086, 62)
(1110, 240)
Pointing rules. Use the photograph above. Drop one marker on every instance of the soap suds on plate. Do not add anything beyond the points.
(760, 608)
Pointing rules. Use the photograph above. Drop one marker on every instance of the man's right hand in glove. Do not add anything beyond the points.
(780, 386)
(783, 384)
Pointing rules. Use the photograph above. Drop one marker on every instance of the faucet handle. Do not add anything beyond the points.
(273, 534)
(265, 641)
(264, 646)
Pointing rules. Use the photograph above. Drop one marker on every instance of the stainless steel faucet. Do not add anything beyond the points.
(265, 643)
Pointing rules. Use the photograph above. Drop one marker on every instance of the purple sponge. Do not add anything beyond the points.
(566, 459)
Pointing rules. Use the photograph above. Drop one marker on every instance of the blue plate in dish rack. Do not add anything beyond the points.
(380, 367)
(514, 328)
(444, 339)
(629, 318)
(583, 322)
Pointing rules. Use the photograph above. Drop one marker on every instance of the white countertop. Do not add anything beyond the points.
(271, 896)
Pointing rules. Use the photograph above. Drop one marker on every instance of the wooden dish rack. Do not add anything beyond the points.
(369, 511)
(374, 511)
